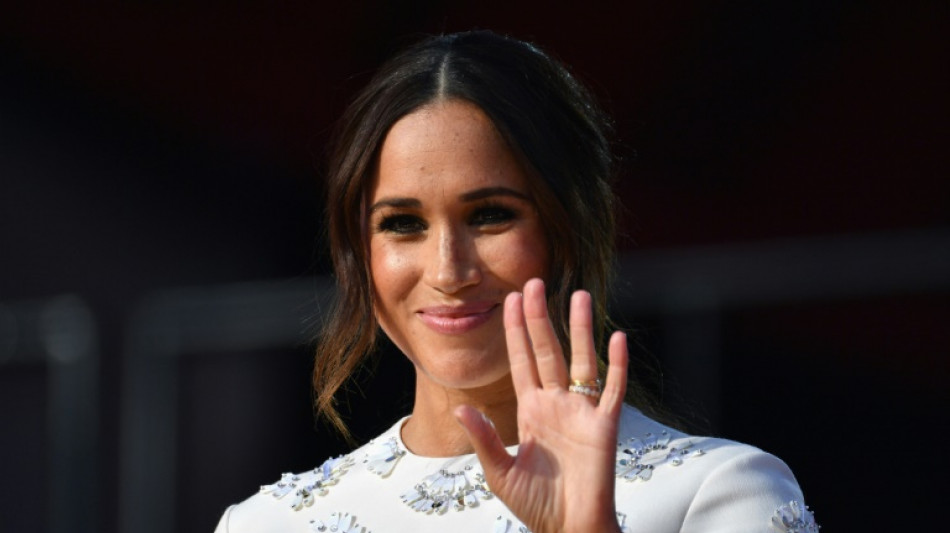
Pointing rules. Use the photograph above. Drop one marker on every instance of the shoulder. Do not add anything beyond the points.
(701, 482)
(270, 508)
(287, 504)
(378, 487)
(644, 442)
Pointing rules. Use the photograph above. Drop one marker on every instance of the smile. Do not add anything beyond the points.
(456, 320)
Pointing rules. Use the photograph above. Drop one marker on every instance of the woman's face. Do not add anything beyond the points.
(452, 230)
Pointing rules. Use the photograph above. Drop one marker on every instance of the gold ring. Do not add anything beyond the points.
(587, 388)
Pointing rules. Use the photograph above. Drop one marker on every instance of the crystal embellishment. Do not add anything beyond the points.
(383, 456)
(305, 486)
(638, 457)
(621, 521)
(287, 483)
(338, 523)
(794, 517)
(444, 489)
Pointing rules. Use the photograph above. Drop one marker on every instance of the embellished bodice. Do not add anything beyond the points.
(660, 474)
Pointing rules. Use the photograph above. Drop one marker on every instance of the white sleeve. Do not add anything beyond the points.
(223, 523)
(742, 495)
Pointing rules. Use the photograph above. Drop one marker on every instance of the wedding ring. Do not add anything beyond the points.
(587, 388)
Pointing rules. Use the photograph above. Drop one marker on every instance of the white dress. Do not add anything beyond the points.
(666, 481)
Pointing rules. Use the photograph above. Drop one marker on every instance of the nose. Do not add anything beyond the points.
(453, 263)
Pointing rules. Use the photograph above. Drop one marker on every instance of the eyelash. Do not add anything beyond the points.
(484, 215)
(492, 214)
(400, 224)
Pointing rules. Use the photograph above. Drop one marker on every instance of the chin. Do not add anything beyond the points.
(464, 371)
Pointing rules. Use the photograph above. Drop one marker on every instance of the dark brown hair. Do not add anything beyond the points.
(551, 123)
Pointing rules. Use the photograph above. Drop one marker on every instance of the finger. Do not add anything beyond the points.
(615, 388)
(488, 447)
(547, 349)
(524, 374)
(583, 354)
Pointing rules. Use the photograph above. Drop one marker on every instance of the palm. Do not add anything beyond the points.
(562, 477)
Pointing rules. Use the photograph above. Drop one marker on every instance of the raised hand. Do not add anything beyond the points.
(562, 478)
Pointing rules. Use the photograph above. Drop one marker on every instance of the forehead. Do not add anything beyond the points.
(443, 146)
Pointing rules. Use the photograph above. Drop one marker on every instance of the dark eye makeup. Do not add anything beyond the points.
(492, 214)
(402, 224)
(485, 214)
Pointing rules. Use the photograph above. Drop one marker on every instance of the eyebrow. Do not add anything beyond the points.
(472, 196)
(488, 192)
(395, 202)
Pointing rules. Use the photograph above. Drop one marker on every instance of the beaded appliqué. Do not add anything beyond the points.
(444, 489)
(621, 521)
(338, 523)
(325, 476)
(794, 517)
(383, 456)
(636, 458)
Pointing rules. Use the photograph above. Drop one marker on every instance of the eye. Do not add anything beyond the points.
(492, 215)
(401, 224)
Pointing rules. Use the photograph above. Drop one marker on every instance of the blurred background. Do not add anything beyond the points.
(786, 250)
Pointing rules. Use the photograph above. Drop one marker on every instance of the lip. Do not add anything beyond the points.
(457, 319)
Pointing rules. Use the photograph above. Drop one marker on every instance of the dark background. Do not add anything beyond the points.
(146, 146)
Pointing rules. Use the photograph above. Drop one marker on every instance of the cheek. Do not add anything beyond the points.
(520, 257)
(392, 277)
(391, 270)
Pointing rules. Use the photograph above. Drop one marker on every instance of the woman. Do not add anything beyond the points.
(471, 221)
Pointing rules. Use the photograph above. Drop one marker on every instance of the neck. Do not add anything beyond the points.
(433, 431)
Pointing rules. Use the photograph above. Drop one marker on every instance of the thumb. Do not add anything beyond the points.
(490, 450)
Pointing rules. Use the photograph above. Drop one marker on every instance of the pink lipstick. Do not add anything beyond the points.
(457, 319)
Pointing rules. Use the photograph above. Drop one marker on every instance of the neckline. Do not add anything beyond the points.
(396, 432)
